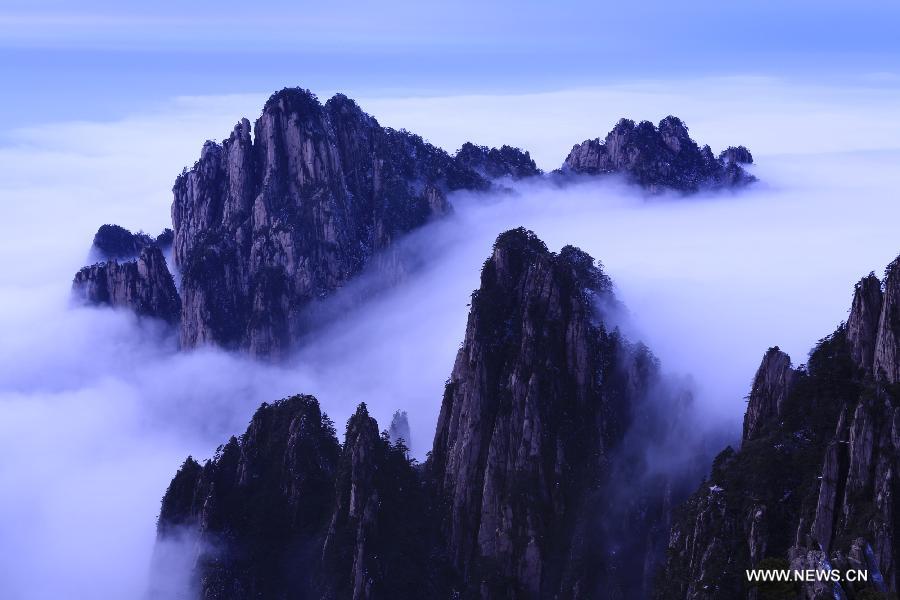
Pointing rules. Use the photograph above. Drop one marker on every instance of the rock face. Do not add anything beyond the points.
(528, 465)
(378, 541)
(815, 487)
(771, 386)
(863, 323)
(265, 224)
(262, 506)
(494, 163)
(539, 398)
(286, 212)
(143, 285)
(887, 341)
(657, 158)
(112, 242)
(285, 512)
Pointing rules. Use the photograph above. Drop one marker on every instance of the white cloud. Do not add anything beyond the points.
(96, 412)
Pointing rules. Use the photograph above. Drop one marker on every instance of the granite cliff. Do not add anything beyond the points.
(143, 285)
(539, 399)
(265, 224)
(513, 498)
(659, 158)
(287, 211)
(814, 484)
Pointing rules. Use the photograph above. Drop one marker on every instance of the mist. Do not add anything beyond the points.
(98, 409)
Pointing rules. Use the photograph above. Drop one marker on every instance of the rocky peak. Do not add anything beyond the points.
(862, 325)
(376, 544)
(399, 429)
(656, 158)
(284, 212)
(674, 133)
(529, 460)
(360, 444)
(524, 422)
(260, 508)
(284, 512)
(182, 503)
(144, 285)
(292, 100)
(817, 491)
(113, 242)
(494, 163)
(353, 524)
(771, 386)
(886, 361)
(265, 224)
(736, 154)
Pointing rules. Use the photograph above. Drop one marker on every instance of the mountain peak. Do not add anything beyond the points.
(292, 100)
(657, 158)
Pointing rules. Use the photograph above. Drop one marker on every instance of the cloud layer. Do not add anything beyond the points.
(97, 410)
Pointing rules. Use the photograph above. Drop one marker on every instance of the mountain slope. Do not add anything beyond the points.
(529, 455)
(814, 483)
(267, 224)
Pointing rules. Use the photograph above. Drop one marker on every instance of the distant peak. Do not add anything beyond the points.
(737, 155)
(520, 239)
(659, 158)
(292, 100)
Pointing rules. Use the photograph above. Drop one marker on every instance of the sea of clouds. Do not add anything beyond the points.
(98, 410)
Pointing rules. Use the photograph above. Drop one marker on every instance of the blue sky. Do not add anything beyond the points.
(99, 59)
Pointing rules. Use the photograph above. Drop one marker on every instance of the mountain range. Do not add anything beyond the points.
(538, 482)
(286, 212)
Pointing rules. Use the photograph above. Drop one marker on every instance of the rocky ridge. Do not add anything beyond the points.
(814, 484)
(496, 163)
(287, 211)
(112, 242)
(399, 429)
(260, 509)
(526, 423)
(143, 285)
(265, 224)
(771, 386)
(532, 422)
(659, 158)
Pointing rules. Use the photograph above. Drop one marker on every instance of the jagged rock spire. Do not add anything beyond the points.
(260, 508)
(815, 484)
(659, 158)
(523, 419)
(400, 429)
(886, 362)
(862, 325)
(771, 386)
(266, 223)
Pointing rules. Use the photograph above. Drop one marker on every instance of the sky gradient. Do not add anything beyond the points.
(101, 59)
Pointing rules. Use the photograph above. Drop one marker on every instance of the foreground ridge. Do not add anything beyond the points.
(527, 450)
(814, 484)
